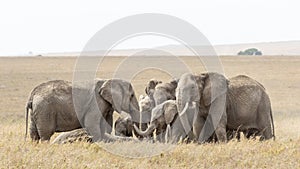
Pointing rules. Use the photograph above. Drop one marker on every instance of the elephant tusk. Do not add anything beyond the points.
(194, 104)
(135, 127)
(184, 109)
(147, 132)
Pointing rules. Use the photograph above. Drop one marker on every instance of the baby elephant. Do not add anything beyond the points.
(165, 121)
(146, 105)
(78, 135)
(123, 127)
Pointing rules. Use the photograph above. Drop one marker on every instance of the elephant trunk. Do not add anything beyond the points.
(135, 111)
(147, 132)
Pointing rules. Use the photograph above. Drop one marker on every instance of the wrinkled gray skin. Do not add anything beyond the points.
(164, 120)
(53, 111)
(123, 127)
(78, 135)
(146, 105)
(241, 103)
(160, 92)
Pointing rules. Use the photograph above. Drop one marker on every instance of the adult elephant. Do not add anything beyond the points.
(160, 92)
(165, 121)
(53, 107)
(240, 103)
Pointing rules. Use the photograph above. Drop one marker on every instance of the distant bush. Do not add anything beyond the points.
(251, 51)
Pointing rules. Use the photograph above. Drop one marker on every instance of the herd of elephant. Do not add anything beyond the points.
(206, 107)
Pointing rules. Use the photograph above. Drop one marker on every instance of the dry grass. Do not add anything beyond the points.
(280, 75)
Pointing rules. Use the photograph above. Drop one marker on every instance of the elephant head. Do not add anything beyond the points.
(151, 85)
(162, 115)
(162, 91)
(123, 127)
(121, 96)
(199, 91)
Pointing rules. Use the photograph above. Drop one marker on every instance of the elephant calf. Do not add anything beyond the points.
(164, 119)
(73, 136)
(123, 127)
(146, 105)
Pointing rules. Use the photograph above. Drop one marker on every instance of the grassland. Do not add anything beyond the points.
(280, 76)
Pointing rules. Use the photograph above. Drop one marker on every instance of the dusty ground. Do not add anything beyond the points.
(280, 76)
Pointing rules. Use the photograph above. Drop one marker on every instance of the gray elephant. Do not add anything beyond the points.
(123, 127)
(151, 85)
(157, 92)
(240, 103)
(160, 92)
(57, 106)
(164, 120)
(78, 135)
(146, 105)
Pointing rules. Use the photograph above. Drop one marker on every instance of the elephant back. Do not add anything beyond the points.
(51, 87)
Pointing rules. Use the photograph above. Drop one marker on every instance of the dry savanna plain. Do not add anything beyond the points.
(279, 74)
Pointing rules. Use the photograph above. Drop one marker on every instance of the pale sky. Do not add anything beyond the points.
(64, 26)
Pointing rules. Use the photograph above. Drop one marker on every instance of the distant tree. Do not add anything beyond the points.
(241, 53)
(258, 53)
(251, 51)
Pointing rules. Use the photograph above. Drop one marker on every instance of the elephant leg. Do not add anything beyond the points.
(109, 120)
(34, 135)
(219, 117)
(266, 133)
(46, 125)
(221, 133)
(197, 128)
(264, 121)
(104, 127)
(160, 135)
(221, 129)
(45, 132)
(92, 123)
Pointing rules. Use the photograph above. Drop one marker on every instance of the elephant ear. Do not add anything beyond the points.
(174, 82)
(170, 111)
(157, 112)
(109, 93)
(214, 85)
(151, 85)
(98, 84)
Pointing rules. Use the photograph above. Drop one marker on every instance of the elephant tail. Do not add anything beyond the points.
(28, 106)
(272, 121)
